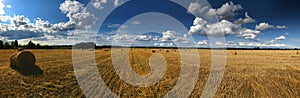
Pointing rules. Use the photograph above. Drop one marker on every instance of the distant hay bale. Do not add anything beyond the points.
(153, 50)
(105, 49)
(297, 53)
(167, 50)
(91, 49)
(20, 49)
(234, 53)
(24, 63)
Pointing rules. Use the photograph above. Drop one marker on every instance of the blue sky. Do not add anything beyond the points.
(242, 23)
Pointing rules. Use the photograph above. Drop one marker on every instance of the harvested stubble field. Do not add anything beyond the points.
(250, 73)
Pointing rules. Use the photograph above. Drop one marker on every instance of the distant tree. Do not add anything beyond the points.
(47, 47)
(16, 44)
(30, 45)
(12, 44)
(38, 46)
(1, 44)
(256, 48)
(7, 45)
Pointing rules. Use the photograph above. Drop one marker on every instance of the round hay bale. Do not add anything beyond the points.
(153, 50)
(24, 62)
(105, 49)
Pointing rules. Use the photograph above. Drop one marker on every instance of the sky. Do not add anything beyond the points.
(171, 23)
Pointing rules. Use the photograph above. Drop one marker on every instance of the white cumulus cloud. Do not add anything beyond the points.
(71, 7)
(8, 6)
(266, 26)
(98, 4)
(220, 29)
(246, 20)
(203, 42)
(196, 8)
(225, 12)
(78, 15)
(280, 38)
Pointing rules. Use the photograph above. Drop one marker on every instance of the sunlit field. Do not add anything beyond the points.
(248, 73)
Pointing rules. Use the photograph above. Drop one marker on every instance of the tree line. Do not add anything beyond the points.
(30, 45)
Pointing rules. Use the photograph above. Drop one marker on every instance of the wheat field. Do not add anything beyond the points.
(248, 73)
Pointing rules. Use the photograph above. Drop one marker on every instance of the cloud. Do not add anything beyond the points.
(8, 6)
(2, 6)
(224, 27)
(225, 12)
(252, 44)
(243, 44)
(248, 33)
(98, 4)
(280, 38)
(164, 44)
(263, 26)
(203, 42)
(21, 34)
(135, 22)
(249, 36)
(173, 36)
(71, 7)
(117, 3)
(18, 21)
(246, 20)
(64, 26)
(220, 29)
(21, 27)
(39, 23)
(3, 18)
(266, 26)
(143, 38)
(281, 27)
(198, 25)
(78, 15)
(169, 36)
(196, 8)
(83, 19)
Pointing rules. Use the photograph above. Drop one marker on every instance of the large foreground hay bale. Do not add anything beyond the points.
(24, 63)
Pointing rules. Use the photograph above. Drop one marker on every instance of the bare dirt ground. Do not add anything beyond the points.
(250, 73)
